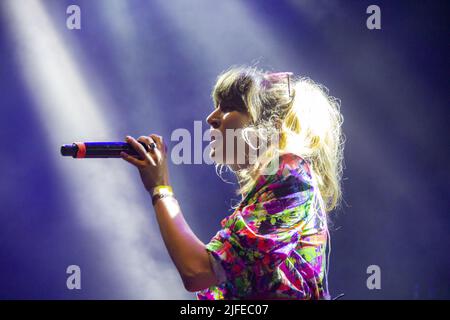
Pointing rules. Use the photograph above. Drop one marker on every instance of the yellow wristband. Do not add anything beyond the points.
(162, 190)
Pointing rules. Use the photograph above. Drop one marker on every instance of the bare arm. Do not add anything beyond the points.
(187, 252)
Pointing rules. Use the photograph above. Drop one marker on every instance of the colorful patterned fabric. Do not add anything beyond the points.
(273, 245)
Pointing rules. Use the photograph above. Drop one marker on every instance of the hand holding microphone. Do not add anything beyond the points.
(82, 150)
(147, 153)
(153, 164)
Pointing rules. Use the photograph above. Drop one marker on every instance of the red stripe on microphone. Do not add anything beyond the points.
(81, 149)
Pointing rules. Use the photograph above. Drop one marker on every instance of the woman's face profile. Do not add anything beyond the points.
(222, 120)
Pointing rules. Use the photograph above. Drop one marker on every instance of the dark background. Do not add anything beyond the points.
(138, 67)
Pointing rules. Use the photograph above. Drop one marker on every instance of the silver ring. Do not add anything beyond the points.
(152, 146)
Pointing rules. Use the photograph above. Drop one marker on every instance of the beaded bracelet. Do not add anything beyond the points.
(160, 192)
(158, 196)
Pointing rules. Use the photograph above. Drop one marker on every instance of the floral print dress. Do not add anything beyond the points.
(273, 245)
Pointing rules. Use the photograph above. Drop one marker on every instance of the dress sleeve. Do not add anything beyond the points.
(259, 237)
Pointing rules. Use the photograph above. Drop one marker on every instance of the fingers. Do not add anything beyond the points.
(148, 157)
(147, 140)
(141, 151)
(159, 143)
(132, 160)
(137, 146)
(160, 150)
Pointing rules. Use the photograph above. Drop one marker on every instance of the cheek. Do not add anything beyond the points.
(234, 120)
(231, 120)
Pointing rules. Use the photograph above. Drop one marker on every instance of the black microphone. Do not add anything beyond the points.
(99, 149)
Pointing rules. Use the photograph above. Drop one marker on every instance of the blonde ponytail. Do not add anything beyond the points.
(312, 128)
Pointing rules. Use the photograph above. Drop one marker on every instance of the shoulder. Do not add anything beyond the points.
(293, 165)
(290, 173)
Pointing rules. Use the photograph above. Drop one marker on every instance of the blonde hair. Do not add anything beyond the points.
(304, 117)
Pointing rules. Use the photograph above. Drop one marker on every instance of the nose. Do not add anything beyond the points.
(212, 120)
